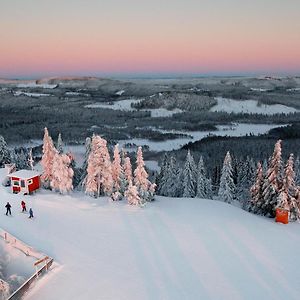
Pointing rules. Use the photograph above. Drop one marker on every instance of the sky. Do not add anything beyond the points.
(40, 38)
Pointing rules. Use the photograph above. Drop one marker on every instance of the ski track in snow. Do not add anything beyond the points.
(171, 249)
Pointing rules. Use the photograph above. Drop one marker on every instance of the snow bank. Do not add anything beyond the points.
(37, 85)
(171, 249)
(19, 93)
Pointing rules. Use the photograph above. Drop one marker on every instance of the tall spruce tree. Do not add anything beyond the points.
(227, 188)
(273, 182)
(256, 191)
(189, 177)
(204, 189)
(5, 157)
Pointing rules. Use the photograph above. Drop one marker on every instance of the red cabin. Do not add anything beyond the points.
(24, 181)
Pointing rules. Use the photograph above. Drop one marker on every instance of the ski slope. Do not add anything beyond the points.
(171, 249)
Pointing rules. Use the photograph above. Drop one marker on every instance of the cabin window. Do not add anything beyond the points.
(30, 181)
(16, 183)
(22, 183)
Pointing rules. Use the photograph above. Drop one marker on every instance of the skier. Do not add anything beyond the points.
(8, 207)
(30, 213)
(23, 204)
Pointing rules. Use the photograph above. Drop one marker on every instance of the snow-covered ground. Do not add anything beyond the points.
(250, 106)
(19, 93)
(171, 249)
(125, 105)
(37, 85)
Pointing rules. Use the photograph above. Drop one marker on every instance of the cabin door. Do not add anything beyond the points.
(23, 186)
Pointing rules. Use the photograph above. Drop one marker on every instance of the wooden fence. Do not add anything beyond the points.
(29, 251)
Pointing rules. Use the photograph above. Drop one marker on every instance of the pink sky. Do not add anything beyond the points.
(99, 37)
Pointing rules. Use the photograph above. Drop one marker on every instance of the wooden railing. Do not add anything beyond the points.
(29, 251)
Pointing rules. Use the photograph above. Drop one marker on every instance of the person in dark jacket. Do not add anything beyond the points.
(23, 204)
(8, 209)
(30, 213)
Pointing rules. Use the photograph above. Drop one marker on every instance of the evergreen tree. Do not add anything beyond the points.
(4, 153)
(62, 174)
(189, 177)
(83, 169)
(297, 171)
(19, 157)
(49, 152)
(144, 186)
(31, 160)
(116, 174)
(162, 176)
(204, 189)
(287, 198)
(60, 144)
(99, 176)
(132, 195)
(227, 187)
(171, 179)
(127, 171)
(273, 182)
(256, 191)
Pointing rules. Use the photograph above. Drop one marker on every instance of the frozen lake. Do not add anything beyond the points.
(125, 105)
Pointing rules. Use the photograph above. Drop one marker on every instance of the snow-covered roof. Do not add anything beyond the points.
(24, 174)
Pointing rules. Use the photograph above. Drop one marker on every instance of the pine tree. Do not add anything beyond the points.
(227, 187)
(60, 144)
(99, 176)
(31, 160)
(172, 182)
(127, 171)
(144, 186)
(4, 153)
(49, 152)
(204, 189)
(287, 198)
(162, 176)
(189, 177)
(256, 191)
(19, 157)
(297, 171)
(62, 174)
(132, 195)
(273, 182)
(116, 174)
(83, 169)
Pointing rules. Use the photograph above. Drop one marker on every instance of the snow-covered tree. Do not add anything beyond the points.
(116, 174)
(189, 177)
(245, 179)
(171, 183)
(132, 195)
(287, 197)
(4, 290)
(256, 191)
(62, 173)
(49, 152)
(162, 176)
(83, 170)
(144, 186)
(99, 176)
(19, 157)
(297, 171)
(204, 188)
(127, 171)
(227, 187)
(4, 153)
(273, 182)
(60, 144)
(31, 160)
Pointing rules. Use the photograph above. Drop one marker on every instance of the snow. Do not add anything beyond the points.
(19, 93)
(260, 90)
(250, 106)
(125, 105)
(120, 93)
(237, 129)
(77, 94)
(37, 85)
(24, 174)
(171, 249)
(294, 90)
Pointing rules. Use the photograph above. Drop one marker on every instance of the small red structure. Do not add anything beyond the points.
(24, 181)
(282, 215)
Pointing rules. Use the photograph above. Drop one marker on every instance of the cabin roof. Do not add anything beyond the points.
(24, 174)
